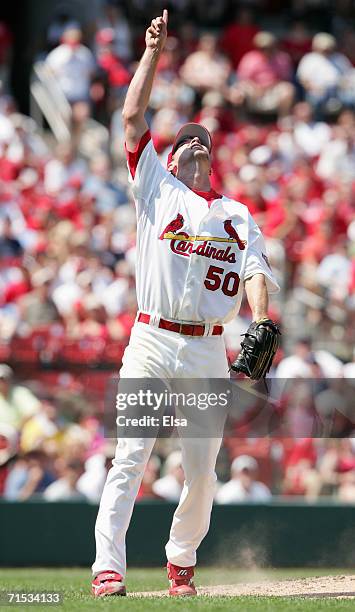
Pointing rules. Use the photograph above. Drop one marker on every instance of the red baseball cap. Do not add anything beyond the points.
(191, 129)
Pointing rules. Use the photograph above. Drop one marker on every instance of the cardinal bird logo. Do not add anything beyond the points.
(173, 227)
(232, 233)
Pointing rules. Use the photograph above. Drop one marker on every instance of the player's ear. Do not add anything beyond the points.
(172, 167)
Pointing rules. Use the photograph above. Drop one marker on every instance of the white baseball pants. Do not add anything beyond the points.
(157, 353)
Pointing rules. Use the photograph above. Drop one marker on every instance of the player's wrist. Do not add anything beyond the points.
(260, 316)
(152, 54)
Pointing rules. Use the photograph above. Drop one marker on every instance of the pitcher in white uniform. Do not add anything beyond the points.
(196, 252)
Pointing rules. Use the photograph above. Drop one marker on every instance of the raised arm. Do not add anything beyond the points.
(138, 94)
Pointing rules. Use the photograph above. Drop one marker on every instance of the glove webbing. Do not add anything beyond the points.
(264, 359)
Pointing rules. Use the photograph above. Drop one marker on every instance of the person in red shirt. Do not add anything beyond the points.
(264, 76)
(237, 38)
(16, 289)
(297, 42)
(117, 74)
(9, 169)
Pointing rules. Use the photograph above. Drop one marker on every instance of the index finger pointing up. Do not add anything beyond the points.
(165, 16)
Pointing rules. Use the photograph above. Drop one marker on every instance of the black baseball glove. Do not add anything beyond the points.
(261, 341)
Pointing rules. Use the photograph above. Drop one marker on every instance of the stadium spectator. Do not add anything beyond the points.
(41, 427)
(238, 36)
(8, 442)
(333, 272)
(150, 477)
(188, 37)
(72, 65)
(215, 116)
(17, 403)
(300, 418)
(8, 449)
(336, 466)
(327, 76)
(61, 21)
(310, 136)
(300, 474)
(7, 134)
(337, 157)
(37, 307)
(305, 363)
(30, 475)
(91, 482)
(243, 485)
(10, 247)
(169, 487)
(349, 368)
(334, 407)
(347, 43)
(66, 487)
(263, 78)
(170, 93)
(346, 490)
(63, 167)
(297, 41)
(206, 68)
(113, 18)
(117, 74)
(98, 185)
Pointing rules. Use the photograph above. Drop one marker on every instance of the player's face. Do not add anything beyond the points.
(189, 148)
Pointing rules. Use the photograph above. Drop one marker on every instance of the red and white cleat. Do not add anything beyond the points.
(180, 579)
(108, 583)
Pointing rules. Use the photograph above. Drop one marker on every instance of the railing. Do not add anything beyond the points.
(48, 102)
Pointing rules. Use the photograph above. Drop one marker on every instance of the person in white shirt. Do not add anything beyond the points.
(63, 167)
(115, 19)
(91, 482)
(169, 487)
(310, 136)
(72, 65)
(326, 75)
(65, 488)
(17, 403)
(306, 363)
(243, 486)
(349, 369)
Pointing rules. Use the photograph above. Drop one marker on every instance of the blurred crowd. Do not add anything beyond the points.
(53, 445)
(276, 88)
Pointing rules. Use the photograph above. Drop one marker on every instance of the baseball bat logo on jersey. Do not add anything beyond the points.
(173, 227)
(182, 243)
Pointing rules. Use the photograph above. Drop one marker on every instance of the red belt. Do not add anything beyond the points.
(187, 329)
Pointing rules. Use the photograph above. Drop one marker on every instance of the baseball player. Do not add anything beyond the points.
(196, 250)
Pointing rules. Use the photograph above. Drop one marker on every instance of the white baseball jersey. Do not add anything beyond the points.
(194, 250)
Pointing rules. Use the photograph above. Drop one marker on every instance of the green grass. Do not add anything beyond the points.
(74, 583)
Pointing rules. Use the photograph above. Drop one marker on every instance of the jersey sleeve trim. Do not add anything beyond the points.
(133, 157)
(271, 283)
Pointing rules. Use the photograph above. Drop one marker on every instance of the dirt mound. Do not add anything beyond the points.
(324, 586)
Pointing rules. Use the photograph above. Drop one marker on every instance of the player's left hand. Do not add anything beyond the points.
(261, 341)
(157, 32)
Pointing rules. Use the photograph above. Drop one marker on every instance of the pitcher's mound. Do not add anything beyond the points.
(323, 586)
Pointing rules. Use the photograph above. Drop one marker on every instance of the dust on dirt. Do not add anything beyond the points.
(322, 586)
